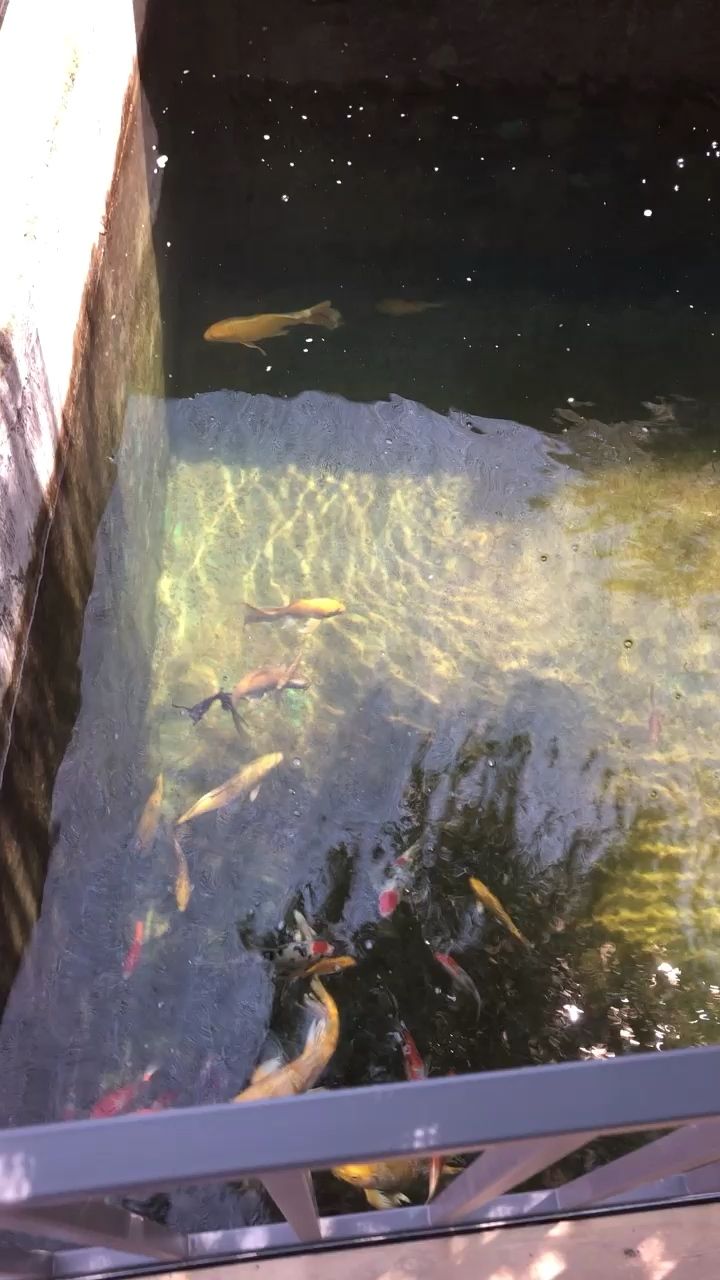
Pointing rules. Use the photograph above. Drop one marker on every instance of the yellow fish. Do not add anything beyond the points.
(301, 1074)
(322, 607)
(183, 887)
(249, 330)
(384, 1180)
(326, 965)
(488, 899)
(150, 817)
(241, 783)
(405, 307)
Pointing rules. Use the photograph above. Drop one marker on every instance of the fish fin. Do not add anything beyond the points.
(254, 794)
(434, 1171)
(197, 712)
(290, 671)
(266, 1068)
(323, 314)
(306, 930)
(381, 1200)
(253, 346)
(239, 721)
(253, 613)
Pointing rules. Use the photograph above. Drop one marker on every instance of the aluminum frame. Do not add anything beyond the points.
(54, 1179)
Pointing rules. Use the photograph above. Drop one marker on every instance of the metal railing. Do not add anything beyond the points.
(54, 1179)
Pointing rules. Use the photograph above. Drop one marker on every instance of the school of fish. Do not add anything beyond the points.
(306, 957)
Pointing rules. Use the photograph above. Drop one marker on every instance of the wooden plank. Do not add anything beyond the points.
(661, 1244)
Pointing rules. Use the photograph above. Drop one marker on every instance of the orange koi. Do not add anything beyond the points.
(319, 607)
(150, 817)
(248, 331)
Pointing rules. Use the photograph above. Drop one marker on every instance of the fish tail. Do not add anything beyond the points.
(323, 314)
(151, 1071)
(254, 614)
(197, 712)
(226, 702)
(384, 1199)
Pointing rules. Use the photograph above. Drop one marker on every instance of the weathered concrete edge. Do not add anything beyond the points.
(52, 232)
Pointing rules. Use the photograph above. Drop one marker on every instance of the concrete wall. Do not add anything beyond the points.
(67, 79)
(79, 334)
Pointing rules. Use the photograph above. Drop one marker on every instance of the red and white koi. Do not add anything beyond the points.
(398, 882)
(300, 952)
(460, 978)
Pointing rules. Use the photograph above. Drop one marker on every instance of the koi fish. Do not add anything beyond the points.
(150, 817)
(415, 1070)
(165, 1100)
(326, 965)
(241, 783)
(132, 955)
(654, 720)
(115, 1101)
(302, 1073)
(183, 887)
(493, 904)
(304, 928)
(383, 1180)
(398, 882)
(460, 978)
(412, 1061)
(254, 685)
(298, 953)
(405, 307)
(248, 331)
(322, 607)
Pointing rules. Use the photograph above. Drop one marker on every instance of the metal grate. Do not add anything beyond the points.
(53, 1178)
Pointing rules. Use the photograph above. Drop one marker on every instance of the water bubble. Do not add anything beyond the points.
(628, 644)
(543, 557)
(647, 213)
(296, 762)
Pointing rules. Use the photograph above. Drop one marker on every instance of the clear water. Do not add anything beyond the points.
(516, 497)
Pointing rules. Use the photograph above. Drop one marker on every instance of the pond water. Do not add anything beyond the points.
(515, 497)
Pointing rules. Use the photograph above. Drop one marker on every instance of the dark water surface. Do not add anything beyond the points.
(515, 496)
